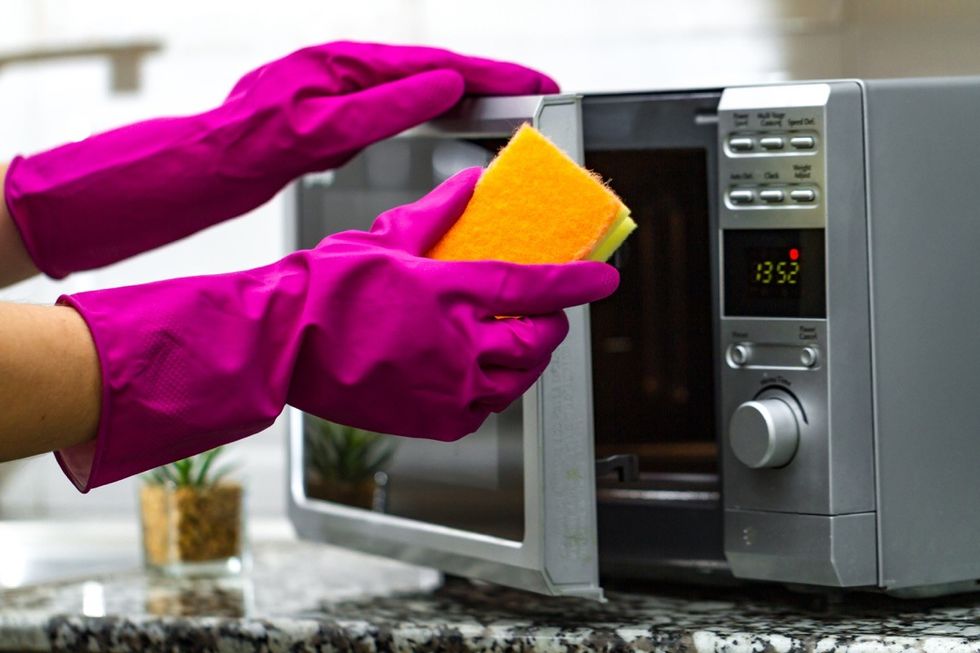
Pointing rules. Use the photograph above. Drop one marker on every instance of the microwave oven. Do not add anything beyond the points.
(783, 388)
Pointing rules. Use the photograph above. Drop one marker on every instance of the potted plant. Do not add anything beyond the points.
(192, 517)
(344, 464)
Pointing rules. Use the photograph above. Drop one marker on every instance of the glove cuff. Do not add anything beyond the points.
(16, 199)
(187, 365)
(82, 462)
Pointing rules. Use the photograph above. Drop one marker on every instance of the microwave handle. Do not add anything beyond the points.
(499, 118)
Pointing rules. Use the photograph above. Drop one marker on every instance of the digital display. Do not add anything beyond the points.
(775, 270)
(775, 273)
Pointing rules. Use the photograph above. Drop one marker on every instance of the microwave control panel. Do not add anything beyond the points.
(792, 279)
(775, 275)
(772, 277)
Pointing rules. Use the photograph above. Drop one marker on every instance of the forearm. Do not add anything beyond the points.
(15, 264)
(50, 384)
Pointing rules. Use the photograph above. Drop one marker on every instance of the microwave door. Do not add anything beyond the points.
(513, 503)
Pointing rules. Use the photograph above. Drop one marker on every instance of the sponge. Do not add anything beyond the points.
(534, 204)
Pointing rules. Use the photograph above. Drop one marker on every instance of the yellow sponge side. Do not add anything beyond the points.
(534, 204)
(622, 227)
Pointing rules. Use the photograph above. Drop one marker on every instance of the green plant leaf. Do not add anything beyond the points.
(380, 459)
(194, 471)
(206, 460)
(154, 477)
(168, 474)
(182, 471)
(344, 453)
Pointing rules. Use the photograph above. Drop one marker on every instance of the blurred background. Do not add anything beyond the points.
(68, 69)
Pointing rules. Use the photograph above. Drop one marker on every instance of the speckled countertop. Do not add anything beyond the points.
(304, 597)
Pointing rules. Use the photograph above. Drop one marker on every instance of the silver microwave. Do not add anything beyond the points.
(784, 388)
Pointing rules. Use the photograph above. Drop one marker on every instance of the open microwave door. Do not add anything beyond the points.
(513, 503)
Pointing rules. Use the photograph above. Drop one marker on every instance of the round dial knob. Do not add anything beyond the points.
(765, 432)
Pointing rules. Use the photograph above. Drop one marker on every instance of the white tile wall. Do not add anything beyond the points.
(587, 45)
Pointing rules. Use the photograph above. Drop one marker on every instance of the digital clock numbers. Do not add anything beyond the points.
(777, 271)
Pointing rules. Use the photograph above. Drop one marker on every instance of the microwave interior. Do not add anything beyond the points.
(654, 385)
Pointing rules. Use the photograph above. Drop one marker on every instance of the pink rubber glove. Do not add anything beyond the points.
(91, 203)
(362, 330)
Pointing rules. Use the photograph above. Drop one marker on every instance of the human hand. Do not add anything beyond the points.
(362, 330)
(87, 204)
(422, 333)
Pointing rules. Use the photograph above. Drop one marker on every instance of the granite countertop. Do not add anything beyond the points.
(307, 597)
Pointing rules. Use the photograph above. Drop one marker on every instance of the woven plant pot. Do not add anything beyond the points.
(192, 530)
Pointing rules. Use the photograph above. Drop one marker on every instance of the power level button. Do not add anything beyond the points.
(741, 144)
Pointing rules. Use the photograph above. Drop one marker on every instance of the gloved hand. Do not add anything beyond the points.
(91, 203)
(362, 330)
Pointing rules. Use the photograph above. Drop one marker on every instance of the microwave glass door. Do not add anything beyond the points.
(514, 502)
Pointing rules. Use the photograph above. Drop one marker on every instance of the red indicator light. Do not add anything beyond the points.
(794, 254)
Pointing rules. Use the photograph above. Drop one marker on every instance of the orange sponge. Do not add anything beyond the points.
(534, 204)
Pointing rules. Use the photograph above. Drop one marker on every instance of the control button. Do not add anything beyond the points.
(771, 142)
(739, 354)
(772, 195)
(765, 432)
(741, 196)
(810, 356)
(802, 195)
(741, 144)
(802, 142)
